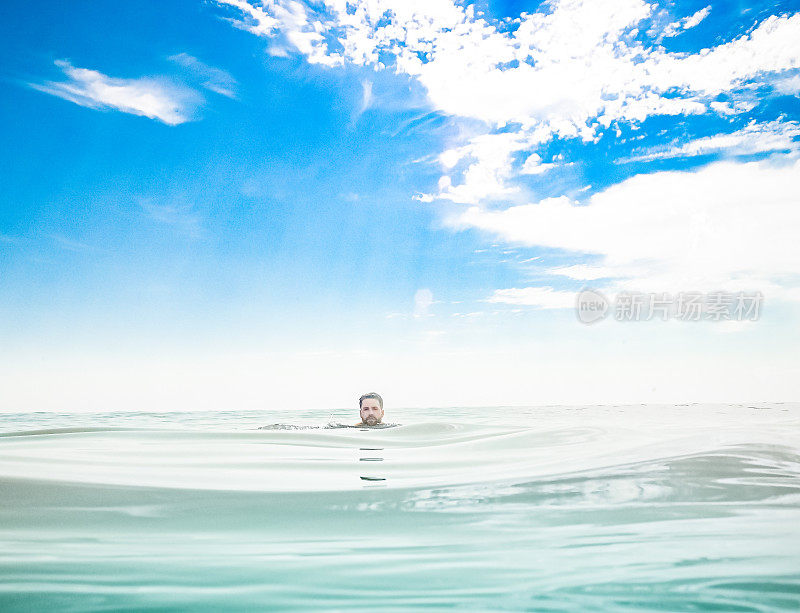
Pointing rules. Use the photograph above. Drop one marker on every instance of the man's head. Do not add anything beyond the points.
(371, 408)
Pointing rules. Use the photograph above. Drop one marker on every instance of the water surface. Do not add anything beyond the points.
(631, 508)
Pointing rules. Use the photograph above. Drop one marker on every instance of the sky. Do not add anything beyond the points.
(223, 204)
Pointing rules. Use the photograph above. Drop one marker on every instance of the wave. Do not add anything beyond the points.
(325, 459)
(628, 514)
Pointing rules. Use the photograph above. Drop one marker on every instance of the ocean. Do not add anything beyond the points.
(572, 508)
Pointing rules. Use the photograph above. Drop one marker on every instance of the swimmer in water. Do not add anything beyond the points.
(371, 409)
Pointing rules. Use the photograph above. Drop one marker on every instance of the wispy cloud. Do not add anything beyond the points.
(367, 98)
(177, 212)
(211, 78)
(677, 27)
(544, 297)
(788, 85)
(754, 138)
(156, 98)
(71, 244)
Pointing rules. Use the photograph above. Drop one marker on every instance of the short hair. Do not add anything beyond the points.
(370, 395)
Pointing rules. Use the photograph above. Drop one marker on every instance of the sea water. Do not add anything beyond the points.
(582, 508)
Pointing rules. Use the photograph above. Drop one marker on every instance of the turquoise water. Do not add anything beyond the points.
(631, 508)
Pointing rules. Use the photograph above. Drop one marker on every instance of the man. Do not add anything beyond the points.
(371, 409)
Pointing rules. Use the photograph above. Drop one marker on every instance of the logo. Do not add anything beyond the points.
(591, 306)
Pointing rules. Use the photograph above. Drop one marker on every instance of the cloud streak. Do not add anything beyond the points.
(211, 78)
(775, 136)
(542, 297)
(156, 98)
(177, 212)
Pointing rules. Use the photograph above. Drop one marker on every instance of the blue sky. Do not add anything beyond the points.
(243, 205)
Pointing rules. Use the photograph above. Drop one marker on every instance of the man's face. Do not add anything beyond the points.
(371, 411)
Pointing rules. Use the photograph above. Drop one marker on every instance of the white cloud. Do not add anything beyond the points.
(543, 297)
(569, 70)
(693, 20)
(487, 175)
(788, 86)
(149, 97)
(534, 166)
(578, 60)
(366, 95)
(257, 20)
(770, 48)
(728, 226)
(740, 102)
(686, 23)
(213, 79)
(753, 138)
(288, 27)
(367, 98)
